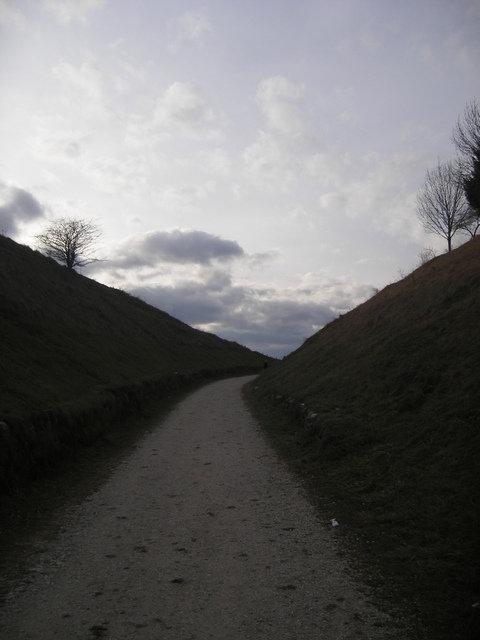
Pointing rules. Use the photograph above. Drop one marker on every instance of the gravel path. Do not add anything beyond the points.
(200, 533)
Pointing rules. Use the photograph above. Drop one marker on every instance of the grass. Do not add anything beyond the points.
(77, 356)
(64, 335)
(393, 451)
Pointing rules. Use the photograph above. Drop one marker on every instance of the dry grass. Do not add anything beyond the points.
(78, 356)
(393, 453)
(65, 336)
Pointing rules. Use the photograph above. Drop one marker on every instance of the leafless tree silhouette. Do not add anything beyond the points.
(441, 203)
(70, 241)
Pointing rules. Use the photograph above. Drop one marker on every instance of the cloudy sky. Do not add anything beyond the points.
(253, 164)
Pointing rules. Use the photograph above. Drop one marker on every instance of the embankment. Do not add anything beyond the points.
(29, 447)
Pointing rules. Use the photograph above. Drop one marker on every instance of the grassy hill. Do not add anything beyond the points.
(76, 355)
(380, 411)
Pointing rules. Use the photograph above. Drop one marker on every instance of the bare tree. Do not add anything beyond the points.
(70, 241)
(466, 137)
(427, 254)
(441, 204)
(466, 134)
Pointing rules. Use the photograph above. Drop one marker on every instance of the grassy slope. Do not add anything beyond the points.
(395, 452)
(64, 337)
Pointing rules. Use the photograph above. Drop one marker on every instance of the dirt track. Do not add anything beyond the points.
(201, 533)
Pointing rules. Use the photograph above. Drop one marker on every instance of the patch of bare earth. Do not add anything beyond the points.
(200, 533)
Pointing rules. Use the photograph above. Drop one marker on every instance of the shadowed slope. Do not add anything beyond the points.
(394, 446)
(64, 336)
(79, 357)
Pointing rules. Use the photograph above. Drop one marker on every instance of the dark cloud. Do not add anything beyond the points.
(273, 326)
(266, 319)
(180, 247)
(277, 327)
(18, 206)
(188, 303)
(196, 303)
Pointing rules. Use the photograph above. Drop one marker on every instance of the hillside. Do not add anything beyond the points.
(70, 345)
(389, 435)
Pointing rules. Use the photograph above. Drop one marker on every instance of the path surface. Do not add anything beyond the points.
(201, 533)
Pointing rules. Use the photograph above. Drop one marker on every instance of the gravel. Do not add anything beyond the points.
(200, 533)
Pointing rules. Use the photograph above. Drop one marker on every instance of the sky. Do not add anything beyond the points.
(253, 164)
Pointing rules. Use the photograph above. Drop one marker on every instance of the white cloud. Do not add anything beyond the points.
(66, 11)
(276, 163)
(217, 161)
(286, 154)
(216, 120)
(129, 173)
(185, 197)
(82, 89)
(385, 195)
(269, 163)
(191, 26)
(141, 133)
(369, 41)
(325, 167)
(461, 54)
(9, 15)
(183, 104)
(183, 109)
(127, 77)
(59, 144)
(278, 98)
